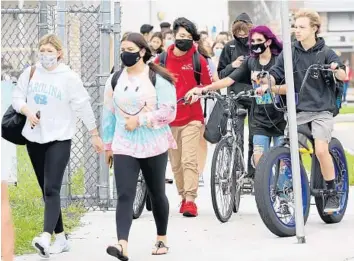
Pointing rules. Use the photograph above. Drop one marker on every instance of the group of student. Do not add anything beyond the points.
(143, 124)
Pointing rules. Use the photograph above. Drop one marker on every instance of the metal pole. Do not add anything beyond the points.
(105, 21)
(290, 98)
(43, 19)
(117, 34)
(61, 5)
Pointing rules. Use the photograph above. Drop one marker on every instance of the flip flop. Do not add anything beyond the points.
(116, 252)
(159, 245)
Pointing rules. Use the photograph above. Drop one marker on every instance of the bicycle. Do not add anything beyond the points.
(233, 179)
(274, 191)
(142, 197)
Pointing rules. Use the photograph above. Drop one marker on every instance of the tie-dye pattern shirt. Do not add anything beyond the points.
(155, 107)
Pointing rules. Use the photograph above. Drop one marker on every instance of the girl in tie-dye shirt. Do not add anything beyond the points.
(136, 133)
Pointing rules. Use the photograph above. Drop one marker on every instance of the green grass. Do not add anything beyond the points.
(347, 109)
(350, 162)
(27, 206)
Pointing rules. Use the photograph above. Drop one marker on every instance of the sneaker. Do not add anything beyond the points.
(331, 203)
(60, 245)
(183, 203)
(41, 244)
(190, 209)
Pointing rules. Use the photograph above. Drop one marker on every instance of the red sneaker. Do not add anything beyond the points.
(190, 209)
(181, 209)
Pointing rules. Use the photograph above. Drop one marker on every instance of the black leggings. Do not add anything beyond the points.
(126, 171)
(49, 161)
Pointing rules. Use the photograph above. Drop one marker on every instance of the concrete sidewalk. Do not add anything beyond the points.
(244, 237)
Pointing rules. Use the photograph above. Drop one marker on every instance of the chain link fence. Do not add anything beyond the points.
(85, 38)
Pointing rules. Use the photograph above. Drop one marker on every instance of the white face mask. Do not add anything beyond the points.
(48, 60)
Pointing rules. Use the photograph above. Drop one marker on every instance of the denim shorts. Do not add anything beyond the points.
(261, 143)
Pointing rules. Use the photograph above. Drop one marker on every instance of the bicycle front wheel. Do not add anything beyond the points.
(274, 192)
(140, 197)
(222, 182)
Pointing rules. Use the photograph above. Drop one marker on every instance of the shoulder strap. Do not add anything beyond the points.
(232, 48)
(197, 67)
(33, 69)
(162, 59)
(152, 76)
(115, 78)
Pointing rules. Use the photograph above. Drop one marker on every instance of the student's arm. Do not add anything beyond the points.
(166, 106)
(332, 58)
(19, 94)
(108, 116)
(236, 76)
(225, 63)
(277, 74)
(80, 103)
(206, 76)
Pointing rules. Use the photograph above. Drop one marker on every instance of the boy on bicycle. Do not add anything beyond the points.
(316, 101)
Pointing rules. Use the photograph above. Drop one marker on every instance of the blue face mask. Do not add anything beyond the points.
(168, 43)
(217, 52)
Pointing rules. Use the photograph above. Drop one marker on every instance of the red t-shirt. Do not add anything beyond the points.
(182, 69)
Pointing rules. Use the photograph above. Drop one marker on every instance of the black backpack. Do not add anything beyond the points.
(330, 81)
(116, 75)
(196, 64)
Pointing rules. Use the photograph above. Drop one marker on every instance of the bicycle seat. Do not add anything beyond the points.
(305, 129)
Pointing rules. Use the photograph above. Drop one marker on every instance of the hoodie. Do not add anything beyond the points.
(59, 95)
(229, 54)
(315, 95)
(182, 68)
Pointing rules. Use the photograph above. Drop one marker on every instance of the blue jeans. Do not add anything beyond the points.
(345, 89)
(261, 143)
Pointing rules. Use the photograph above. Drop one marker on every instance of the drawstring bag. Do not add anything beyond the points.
(13, 122)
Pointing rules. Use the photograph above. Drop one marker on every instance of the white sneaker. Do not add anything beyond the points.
(41, 244)
(60, 245)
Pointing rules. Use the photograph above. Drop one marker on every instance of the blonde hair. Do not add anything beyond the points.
(315, 19)
(53, 40)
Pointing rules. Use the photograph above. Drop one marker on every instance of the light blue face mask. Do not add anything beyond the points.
(217, 52)
(168, 43)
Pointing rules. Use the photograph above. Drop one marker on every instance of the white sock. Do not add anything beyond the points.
(60, 236)
(46, 236)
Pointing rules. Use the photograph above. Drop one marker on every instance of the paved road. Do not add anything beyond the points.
(204, 238)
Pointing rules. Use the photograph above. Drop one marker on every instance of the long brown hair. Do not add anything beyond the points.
(139, 40)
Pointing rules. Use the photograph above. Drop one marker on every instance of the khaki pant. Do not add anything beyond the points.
(184, 159)
(202, 151)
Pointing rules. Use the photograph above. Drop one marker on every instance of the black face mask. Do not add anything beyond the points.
(258, 48)
(130, 59)
(243, 40)
(184, 44)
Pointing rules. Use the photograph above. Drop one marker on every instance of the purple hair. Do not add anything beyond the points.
(276, 47)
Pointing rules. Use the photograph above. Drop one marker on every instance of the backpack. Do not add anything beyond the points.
(330, 81)
(116, 75)
(196, 64)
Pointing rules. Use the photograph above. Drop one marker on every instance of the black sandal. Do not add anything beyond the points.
(159, 245)
(114, 251)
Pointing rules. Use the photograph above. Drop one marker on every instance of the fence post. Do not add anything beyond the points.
(61, 5)
(116, 39)
(43, 18)
(105, 30)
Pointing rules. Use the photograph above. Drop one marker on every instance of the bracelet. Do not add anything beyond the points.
(96, 134)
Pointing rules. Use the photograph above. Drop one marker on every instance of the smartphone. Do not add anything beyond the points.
(110, 162)
(38, 115)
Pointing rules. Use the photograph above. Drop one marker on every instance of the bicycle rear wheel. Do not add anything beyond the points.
(140, 197)
(274, 192)
(222, 183)
(342, 183)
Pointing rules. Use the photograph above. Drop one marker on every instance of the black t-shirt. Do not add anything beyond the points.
(266, 120)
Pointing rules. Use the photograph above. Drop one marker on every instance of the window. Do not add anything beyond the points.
(343, 21)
